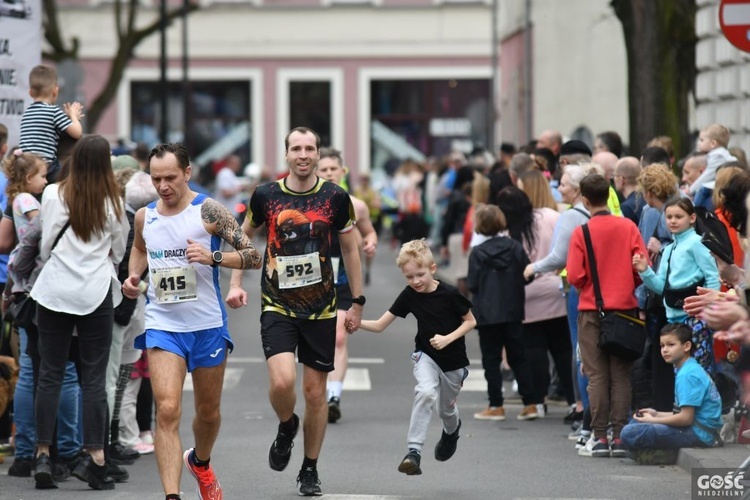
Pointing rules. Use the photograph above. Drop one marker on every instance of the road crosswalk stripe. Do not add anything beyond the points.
(357, 379)
(232, 377)
(354, 361)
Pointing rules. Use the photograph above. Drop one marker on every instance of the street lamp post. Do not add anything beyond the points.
(163, 92)
(492, 108)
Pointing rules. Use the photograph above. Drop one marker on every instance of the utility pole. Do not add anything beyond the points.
(163, 92)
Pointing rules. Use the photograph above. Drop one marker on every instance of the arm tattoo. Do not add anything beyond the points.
(226, 227)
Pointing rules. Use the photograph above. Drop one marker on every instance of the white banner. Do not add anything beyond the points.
(20, 51)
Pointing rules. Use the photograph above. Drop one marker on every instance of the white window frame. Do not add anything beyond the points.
(327, 3)
(368, 74)
(254, 76)
(461, 2)
(335, 76)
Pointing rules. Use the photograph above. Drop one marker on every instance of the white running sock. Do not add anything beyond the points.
(334, 389)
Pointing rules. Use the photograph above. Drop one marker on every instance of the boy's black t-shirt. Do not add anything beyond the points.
(437, 313)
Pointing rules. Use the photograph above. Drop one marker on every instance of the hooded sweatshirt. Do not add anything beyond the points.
(496, 280)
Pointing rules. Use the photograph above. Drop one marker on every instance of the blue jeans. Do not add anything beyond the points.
(582, 393)
(639, 436)
(68, 440)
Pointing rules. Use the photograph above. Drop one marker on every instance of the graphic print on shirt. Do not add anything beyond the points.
(298, 276)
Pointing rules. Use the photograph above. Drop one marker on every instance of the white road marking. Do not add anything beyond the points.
(475, 382)
(355, 361)
(357, 379)
(232, 377)
(368, 497)
(367, 361)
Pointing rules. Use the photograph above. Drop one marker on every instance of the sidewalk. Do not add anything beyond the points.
(729, 456)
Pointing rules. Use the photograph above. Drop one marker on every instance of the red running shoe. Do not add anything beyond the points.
(208, 486)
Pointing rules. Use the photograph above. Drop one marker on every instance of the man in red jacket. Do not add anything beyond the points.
(615, 240)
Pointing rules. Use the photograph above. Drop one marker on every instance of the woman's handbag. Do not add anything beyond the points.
(675, 297)
(23, 310)
(23, 307)
(621, 334)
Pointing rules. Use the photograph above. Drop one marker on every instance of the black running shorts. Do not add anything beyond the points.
(313, 339)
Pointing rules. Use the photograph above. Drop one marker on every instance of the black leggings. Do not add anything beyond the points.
(551, 336)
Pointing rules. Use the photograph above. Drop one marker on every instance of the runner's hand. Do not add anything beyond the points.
(236, 298)
(353, 318)
(197, 253)
(131, 286)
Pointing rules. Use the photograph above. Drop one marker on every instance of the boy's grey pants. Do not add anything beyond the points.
(434, 386)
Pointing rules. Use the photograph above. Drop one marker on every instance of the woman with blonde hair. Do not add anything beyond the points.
(84, 233)
(545, 325)
(536, 186)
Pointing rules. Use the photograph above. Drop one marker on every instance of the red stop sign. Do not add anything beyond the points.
(734, 17)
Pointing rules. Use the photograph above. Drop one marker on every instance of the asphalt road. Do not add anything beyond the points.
(497, 460)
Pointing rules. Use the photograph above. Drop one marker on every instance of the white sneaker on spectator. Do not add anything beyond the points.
(573, 436)
(582, 440)
(144, 448)
(541, 409)
(147, 437)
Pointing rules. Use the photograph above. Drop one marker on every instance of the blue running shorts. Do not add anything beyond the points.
(200, 349)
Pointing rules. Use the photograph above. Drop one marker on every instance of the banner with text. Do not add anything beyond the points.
(20, 51)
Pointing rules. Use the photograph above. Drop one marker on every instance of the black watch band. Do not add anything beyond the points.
(359, 300)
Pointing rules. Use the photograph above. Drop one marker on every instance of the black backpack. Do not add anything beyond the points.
(714, 234)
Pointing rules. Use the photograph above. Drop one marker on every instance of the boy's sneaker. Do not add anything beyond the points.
(595, 448)
(446, 447)
(281, 449)
(529, 412)
(308, 483)
(617, 449)
(334, 410)
(410, 464)
(208, 487)
(582, 440)
(496, 413)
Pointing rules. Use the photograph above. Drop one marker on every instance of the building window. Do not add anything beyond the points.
(310, 106)
(218, 119)
(432, 117)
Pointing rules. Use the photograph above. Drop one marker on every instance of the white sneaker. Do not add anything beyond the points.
(147, 437)
(573, 436)
(515, 386)
(594, 448)
(582, 440)
(143, 448)
(540, 410)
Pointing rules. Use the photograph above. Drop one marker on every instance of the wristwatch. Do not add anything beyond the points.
(217, 257)
(359, 300)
